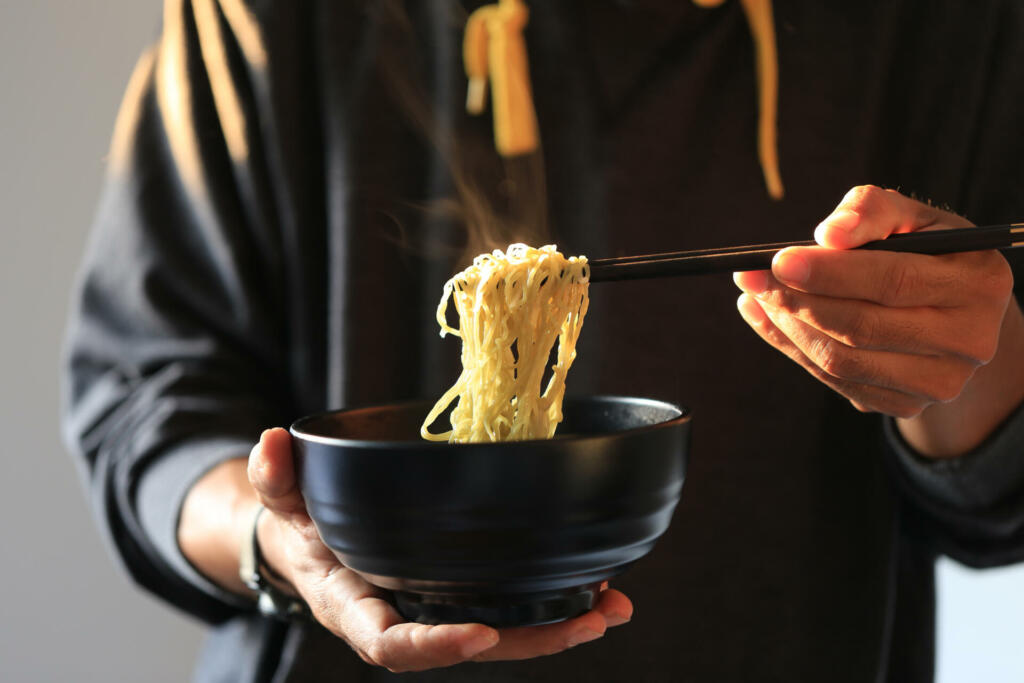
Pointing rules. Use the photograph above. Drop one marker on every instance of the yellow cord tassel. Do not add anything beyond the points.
(493, 48)
(762, 29)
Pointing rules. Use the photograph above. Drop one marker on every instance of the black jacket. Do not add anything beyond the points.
(268, 245)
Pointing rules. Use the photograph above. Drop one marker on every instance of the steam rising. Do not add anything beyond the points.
(497, 201)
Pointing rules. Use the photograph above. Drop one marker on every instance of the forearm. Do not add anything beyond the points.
(945, 430)
(216, 519)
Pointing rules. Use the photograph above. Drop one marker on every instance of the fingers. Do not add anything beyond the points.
(612, 609)
(360, 614)
(870, 213)
(892, 383)
(889, 278)
(526, 642)
(356, 611)
(892, 332)
(865, 398)
(933, 378)
(614, 606)
(271, 472)
(874, 327)
(413, 647)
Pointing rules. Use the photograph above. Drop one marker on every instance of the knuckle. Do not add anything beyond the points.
(975, 341)
(824, 354)
(982, 348)
(896, 282)
(895, 404)
(863, 197)
(987, 352)
(862, 332)
(942, 384)
(323, 610)
(379, 656)
(951, 392)
(987, 275)
(915, 336)
(946, 389)
(784, 298)
(998, 280)
(834, 359)
(965, 374)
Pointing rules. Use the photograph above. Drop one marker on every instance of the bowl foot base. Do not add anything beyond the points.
(520, 609)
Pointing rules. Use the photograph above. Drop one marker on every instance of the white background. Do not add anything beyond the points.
(67, 615)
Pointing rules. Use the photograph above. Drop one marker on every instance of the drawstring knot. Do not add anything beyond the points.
(762, 30)
(494, 50)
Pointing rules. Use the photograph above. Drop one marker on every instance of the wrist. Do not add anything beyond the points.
(275, 596)
(276, 568)
(212, 521)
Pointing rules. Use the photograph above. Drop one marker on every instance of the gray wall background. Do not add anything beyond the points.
(67, 615)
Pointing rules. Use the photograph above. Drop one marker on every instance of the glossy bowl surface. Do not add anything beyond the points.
(508, 533)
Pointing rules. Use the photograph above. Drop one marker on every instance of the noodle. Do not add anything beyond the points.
(512, 308)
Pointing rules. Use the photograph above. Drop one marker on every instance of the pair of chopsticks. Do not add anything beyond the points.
(759, 256)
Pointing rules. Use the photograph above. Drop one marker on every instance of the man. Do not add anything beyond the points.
(247, 270)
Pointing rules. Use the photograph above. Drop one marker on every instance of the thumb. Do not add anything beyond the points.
(271, 472)
(869, 213)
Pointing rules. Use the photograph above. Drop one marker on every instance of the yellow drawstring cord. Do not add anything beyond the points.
(766, 57)
(493, 48)
(762, 28)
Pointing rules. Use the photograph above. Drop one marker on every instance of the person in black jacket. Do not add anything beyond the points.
(262, 252)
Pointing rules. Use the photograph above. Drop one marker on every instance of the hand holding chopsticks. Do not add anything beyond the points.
(937, 341)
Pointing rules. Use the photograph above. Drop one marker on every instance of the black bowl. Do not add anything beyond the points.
(511, 533)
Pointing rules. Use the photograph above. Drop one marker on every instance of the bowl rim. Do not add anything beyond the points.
(296, 428)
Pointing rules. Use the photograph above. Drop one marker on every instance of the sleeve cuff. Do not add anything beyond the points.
(161, 493)
(976, 480)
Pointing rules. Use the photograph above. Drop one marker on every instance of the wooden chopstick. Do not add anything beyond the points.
(759, 256)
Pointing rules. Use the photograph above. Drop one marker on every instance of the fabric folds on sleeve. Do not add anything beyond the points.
(971, 506)
(174, 352)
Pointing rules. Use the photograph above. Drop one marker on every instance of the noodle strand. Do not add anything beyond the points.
(513, 307)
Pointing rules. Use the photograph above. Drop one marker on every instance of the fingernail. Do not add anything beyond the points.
(791, 267)
(583, 636)
(615, 619)
(752, 281)
(478, 644)
(750, 309)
